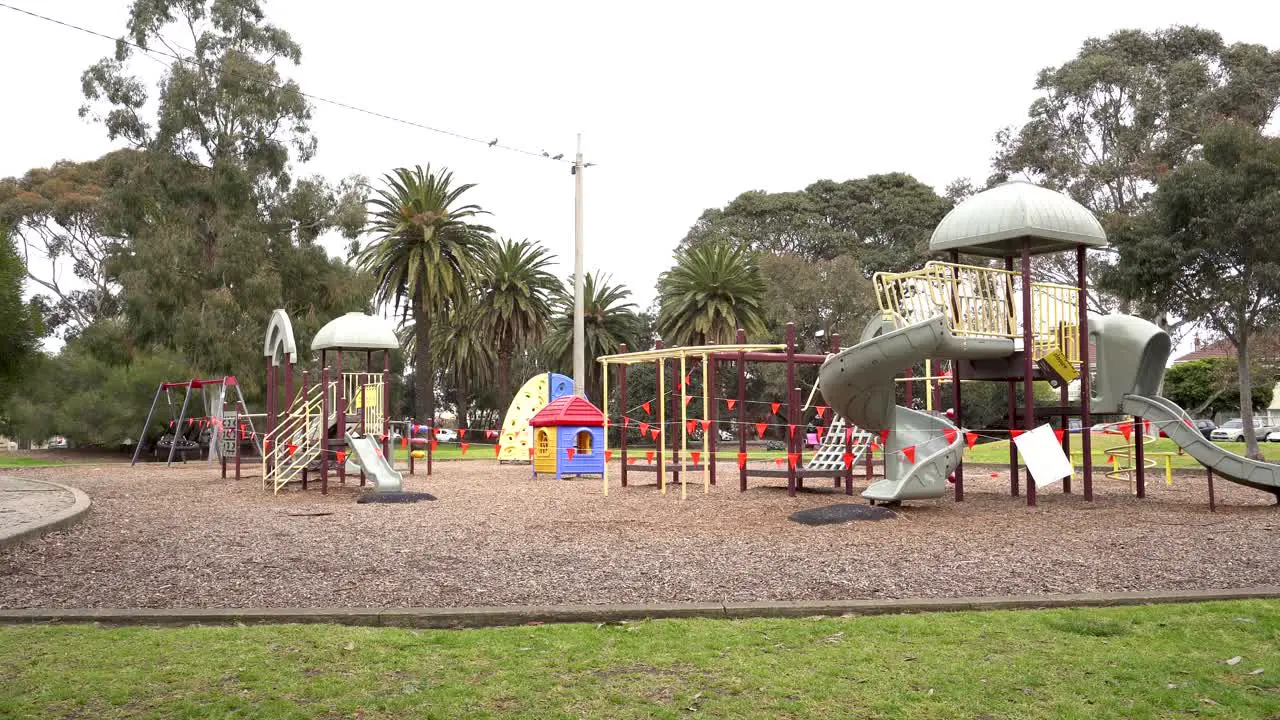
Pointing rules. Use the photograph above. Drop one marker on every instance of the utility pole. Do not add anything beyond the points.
(579, 330)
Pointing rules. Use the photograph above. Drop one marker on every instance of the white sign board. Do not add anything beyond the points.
(1043, 456)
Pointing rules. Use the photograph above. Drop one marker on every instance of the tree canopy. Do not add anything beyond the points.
(1210, 248)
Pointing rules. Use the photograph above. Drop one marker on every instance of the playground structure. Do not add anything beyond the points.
(224, 422)
(999, 325)
(343, 415)
(840, 447)
(515, 439)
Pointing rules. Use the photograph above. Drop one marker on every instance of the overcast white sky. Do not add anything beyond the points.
(682, 105)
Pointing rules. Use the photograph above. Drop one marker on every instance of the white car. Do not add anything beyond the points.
(446, 435)
(1233, 431)
(1273, 436)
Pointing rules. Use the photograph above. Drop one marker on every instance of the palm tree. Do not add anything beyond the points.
(713, 290)
(516, 303)
(425, 257)
(464, 349)
(608, 322)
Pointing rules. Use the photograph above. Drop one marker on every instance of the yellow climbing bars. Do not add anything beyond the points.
(983, 302)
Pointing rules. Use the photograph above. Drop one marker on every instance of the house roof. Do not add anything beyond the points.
(568, 410)
(1219, 349)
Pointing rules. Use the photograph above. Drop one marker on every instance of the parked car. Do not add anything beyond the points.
(446, 435)
(57, 442)
(1206, 427)
(1233, 431)
(724, 435)
(1273, 436)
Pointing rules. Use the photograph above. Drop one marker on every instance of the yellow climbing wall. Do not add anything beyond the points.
(531, 398)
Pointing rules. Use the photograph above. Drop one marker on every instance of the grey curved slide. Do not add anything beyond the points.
(859, 384)
(367, 456)
(1177, 424)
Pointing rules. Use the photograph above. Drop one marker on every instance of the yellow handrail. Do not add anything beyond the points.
(984, 302)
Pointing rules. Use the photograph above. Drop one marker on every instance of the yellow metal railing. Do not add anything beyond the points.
(295, 441)
(983, 302)
(365, 393)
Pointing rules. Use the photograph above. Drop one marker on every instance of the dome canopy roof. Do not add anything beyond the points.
(995, 221)
(356, 331)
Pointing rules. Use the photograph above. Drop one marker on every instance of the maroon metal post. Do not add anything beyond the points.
(431, 444)
(622, 410)
(741, 339)
(324, 427)
(871, 471)
(1086, 423)
(1028, 340)
(712, 431)
(1212, 507)
(340, 416)
(1066, 439)
(270, 395)
(1013, 386)
(288, 384)
(305, 471)
(387, 449)
(411, 425)
(955, 390)
(1139, 432)
(910, 384)
(791, 408)
(848, 453)
(672, 419)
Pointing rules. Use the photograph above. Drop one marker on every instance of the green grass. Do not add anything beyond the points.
(17, 461)
(1144, 662)
(998, 452)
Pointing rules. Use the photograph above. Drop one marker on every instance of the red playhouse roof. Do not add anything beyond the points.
(568, 410)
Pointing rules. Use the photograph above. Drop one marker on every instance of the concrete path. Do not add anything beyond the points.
(30, 508)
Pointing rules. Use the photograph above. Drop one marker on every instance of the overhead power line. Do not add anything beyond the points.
(491, 143)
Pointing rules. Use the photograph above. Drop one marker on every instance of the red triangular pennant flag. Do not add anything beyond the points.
(436, 443)
(822, 410)
(742, 460)
(688, 379)
(874, 446)
(292, 448)
(970, 438)
(569, 452)
(760, 428)
(706, 426)
(777, 461)
(730, 403)
(848, 461)
(631, 459)
(884, 436)
(793, 459)
(464, 447)
(1111, 459)
(696, 455)
(848, 435)
(644, 429)
(530, 453)
(775, 407)
(404, 442)
(655, 433)
(266, 444)
(497, 450)
(341, 456)
(687, 398)
(1126, 430)
(950, 435)
(1015, 433)
(608, 455)
(909, 452)
(626, 422)
(648, 456)
(647, 410)
(689, 425)
(791, 430)
(1059, 433)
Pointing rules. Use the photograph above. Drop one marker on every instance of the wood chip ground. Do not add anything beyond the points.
(185, 538)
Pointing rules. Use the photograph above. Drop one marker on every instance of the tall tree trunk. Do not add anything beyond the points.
(1246, 392)
(424, 371)
(504, 379)
(461, 385)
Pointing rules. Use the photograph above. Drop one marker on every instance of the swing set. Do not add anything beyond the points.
(220, 428)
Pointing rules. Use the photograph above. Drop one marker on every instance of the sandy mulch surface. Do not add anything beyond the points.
(184, 538)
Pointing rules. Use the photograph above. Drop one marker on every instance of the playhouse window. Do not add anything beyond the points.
(584, 442)
(543, 443)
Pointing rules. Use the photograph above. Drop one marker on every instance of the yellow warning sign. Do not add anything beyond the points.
(1059, 365)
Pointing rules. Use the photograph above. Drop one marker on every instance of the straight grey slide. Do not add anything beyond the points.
(368, 456)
